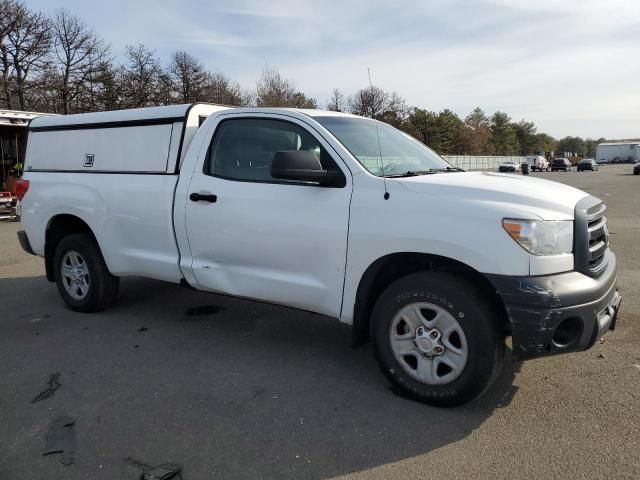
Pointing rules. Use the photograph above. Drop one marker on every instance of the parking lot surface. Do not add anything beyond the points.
(230, 388)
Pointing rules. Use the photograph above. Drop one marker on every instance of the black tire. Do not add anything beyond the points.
(469, 307)
(102, 286)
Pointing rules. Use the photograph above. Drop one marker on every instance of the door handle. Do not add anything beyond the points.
(204, 197)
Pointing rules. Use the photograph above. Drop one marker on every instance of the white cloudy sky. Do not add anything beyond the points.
(571, 66)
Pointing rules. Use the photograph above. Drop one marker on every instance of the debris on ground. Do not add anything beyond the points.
(54, 384)
(601, 355)
(143, 329)
(165, 471)
(61, 438)
(203, 310)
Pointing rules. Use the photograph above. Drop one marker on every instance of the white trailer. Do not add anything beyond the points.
(618, 152)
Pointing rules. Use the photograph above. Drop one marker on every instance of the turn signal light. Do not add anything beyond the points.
(513, 229)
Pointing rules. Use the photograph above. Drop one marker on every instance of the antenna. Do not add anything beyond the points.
(375, 122)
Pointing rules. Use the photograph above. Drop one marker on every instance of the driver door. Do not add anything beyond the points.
(254, 236)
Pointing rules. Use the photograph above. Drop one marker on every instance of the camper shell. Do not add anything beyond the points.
(108, 142)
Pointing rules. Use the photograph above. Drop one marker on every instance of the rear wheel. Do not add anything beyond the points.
(82, 276)
(437, 339)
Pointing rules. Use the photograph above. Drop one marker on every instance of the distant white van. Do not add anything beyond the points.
(538, 162)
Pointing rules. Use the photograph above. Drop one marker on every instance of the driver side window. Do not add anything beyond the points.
(243, 149)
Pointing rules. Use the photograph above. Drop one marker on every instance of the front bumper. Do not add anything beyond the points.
(560, 313)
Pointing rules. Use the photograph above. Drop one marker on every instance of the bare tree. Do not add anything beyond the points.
(27, 43)
(7, 7)
(374, 102)
(108, 87)
(222, 90)
(337, 101)
(141, 77)
(79, 54)
(300, 100)
(103, 90)
(273, 90)
(188, 77)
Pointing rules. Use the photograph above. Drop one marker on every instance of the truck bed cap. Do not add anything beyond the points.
(149, 113)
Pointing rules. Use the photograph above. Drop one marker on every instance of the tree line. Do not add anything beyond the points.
(59, 64)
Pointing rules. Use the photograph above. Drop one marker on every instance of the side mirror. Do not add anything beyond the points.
(302, 166)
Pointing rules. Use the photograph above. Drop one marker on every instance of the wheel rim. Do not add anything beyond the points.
(429, 343)
(75, 275)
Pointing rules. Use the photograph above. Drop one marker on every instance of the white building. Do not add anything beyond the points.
(618, 152)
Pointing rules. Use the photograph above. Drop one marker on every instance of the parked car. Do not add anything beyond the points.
(538, 163)
(636, 168)
(509, 166)
(602, 161)
(587, 164)
(561, 164)
(434, 265)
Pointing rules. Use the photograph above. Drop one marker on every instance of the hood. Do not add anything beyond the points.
(544, 198)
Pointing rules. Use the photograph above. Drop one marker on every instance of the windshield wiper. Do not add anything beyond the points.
(411, 173)
(449, 169)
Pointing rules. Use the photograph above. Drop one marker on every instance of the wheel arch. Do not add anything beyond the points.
(389, 268)
(58, 227)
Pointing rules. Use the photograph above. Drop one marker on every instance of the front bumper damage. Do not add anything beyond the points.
(560, 313)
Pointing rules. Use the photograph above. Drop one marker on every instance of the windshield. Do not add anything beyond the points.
(398, 153)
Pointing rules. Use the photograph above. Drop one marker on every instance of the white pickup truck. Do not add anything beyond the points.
(330, 213)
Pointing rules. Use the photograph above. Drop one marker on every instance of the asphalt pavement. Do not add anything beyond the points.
(229, 388)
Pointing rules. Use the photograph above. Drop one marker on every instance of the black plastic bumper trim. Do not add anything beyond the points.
(24, 242)
(537, 305)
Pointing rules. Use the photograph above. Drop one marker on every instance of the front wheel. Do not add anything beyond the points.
(82, 276)
(437, 339)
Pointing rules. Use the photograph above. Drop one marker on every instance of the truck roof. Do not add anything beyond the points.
(176, 112)
(318, 112)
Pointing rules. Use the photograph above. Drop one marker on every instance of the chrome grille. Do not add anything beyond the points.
(598, 237)
(591, 237)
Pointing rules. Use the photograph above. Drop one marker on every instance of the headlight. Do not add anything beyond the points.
(541, 237)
